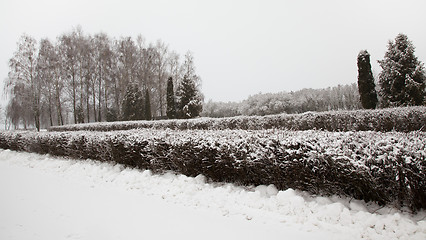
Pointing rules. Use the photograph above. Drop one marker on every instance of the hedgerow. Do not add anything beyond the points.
(387, 168)
(403, 119)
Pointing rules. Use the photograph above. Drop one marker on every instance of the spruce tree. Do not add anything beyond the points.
(402, 80)
(147, 106)
(171, 105)
(366, 86)
(133, 104)
(190, 103)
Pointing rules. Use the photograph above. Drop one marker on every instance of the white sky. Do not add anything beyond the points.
(240, 47)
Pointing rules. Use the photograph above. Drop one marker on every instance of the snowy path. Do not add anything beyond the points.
(43, 197)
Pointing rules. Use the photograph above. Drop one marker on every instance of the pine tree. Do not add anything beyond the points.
(171, 105)
(133, 103)
(366, 86)
(403, 78)
(147, 107)
(190, 103)
(111, 115)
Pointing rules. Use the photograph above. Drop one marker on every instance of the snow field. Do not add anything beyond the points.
(262, 205)
(49, 205)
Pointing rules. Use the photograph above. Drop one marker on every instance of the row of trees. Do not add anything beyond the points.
(401, 82)
(92, 78)
(342, 97)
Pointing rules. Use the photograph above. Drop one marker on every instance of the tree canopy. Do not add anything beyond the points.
(402, 80)
(91, 78)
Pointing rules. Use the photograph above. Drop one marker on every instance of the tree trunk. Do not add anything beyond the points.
(74, 100)
(58, 103)
(94, 101)
(50, 107)
(88, 104)
(99, 95)
(117, 98)
(160, 93)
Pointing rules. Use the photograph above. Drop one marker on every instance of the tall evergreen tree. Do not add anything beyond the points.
(190, 103)
(403, 78)
(171, 105)
(366, 86)
(133, 103)
(147, 106)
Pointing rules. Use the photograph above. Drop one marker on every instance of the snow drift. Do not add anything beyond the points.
(91, 200)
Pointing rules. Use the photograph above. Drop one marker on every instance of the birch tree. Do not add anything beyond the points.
(22, 85)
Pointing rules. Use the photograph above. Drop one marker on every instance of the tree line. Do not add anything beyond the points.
(341, 97)
(401, 81)
(92, 78)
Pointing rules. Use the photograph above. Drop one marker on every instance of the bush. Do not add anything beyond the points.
(404, 119)
(387, 168)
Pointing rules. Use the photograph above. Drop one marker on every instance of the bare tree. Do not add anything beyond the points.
(175, 70)
(88, 77)
(160, 66)
(67, 50)
(58, 84)
(126, 51)
(22, 83)
(84, 78)
(83, 73)
(46, 73)
(104, 70)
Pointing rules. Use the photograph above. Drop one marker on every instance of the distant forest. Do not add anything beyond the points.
(342, 97)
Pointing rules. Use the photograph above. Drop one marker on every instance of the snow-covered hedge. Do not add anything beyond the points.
(388, 168)
(402, 119)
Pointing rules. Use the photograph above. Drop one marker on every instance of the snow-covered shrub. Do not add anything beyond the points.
(403, 119)
(388, 168)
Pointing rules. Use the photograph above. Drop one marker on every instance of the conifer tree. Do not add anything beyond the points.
(133, 103)
(171, 105)
(366, 86)
(190, 103)
(402, 80)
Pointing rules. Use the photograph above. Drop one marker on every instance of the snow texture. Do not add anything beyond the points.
(388, 168)
(401, 119)
(59, 198)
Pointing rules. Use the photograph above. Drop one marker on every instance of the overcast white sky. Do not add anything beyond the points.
(240, 47)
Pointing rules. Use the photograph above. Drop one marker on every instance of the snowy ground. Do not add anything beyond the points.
(43, 197)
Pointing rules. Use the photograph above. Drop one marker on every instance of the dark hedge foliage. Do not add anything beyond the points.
(387, 168)
(366, 85)
(403, 119)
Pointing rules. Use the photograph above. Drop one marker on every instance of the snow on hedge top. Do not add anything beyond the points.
(402, 119)
(359, 148)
